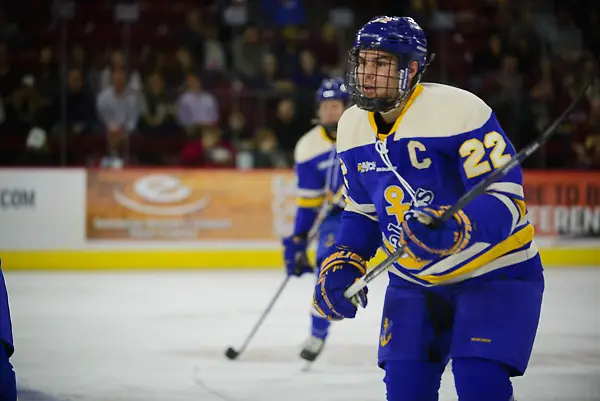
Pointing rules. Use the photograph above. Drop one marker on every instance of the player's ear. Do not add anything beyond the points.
(414, 69)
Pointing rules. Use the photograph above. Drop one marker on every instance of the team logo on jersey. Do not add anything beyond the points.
(365, 167)
(386, 332)
(423, 197)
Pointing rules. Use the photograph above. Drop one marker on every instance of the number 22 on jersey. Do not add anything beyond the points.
(474, 150)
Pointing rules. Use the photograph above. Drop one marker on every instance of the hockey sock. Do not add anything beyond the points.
(320, 327)
(412, 381)
(478, 379)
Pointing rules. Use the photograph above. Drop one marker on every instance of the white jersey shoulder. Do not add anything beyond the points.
(312, 144)
(438, 111)
(443, 111)
(354, 129)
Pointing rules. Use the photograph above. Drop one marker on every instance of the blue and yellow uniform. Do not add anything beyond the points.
(319, 180)
(319, 187)
(470, 290)
(8, 386)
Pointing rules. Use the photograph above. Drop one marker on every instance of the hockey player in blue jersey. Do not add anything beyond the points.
(8, 385)
(319, 180)
(470, 290)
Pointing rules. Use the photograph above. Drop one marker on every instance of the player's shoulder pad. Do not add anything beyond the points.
(354, 130)
(312, 144)
(444, 111)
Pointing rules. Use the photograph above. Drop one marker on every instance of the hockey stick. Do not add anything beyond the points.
(324, 212)
(477, 190)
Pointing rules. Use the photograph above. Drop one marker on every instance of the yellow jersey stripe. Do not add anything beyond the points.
(515, 241)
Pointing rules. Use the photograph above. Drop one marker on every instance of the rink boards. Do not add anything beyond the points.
(78, 219)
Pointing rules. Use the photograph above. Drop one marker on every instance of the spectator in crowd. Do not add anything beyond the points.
(236, 129)
(214, 52)
(327, 51)
(196, 107)
(307, 75)
(288, 127)
(118, 108)
(80, 105)
(270, 77)
(490, 58)
(157, 111)
(267, 153)
(9, 82)
(185, 66)
(283, 13)
(37, 152)
(193, 36)
(117, 62)
(247, 53)
(79, 60)
(46, 73)
(28, 104)
(208, 149)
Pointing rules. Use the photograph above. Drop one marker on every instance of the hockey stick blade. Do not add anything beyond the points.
(477, 190)
(230, 353)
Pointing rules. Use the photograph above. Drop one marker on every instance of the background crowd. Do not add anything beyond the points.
(231, 83)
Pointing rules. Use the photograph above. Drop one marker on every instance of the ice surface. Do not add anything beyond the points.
(151, 336)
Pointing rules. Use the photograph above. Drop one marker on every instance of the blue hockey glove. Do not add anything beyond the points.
(422, 242)
(294, 256)
(339, 271)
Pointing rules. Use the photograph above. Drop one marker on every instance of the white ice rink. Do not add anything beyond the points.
(149, 336)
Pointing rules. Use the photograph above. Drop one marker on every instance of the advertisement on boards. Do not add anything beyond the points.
(564, 204)
(41, 208)
(133, 205)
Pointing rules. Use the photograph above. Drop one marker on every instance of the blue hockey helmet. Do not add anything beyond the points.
(402, 39)
(333, 89)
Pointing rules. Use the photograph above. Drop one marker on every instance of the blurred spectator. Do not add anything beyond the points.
(9, 82)
(46, 72)
(214, 52)
(248, 51)
(185, 65)
(269, 77)
(288, 127)
(283, 13)
(78, 59)
(236, 129)
(119, 110)
(117, 62)
(490, 58)
(287, 49)
(208, 149)
(566, 39)
(267, 153)
(28, 104)
(196, 107)
(9, 31)
(80, 105)
(504, 94)
(327, 50)
(9, 77)
(307, 75)
(193, 36)
(541, 94)
(157, 112)
(37, 152)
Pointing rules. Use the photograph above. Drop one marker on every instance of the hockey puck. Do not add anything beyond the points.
(231, 353)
